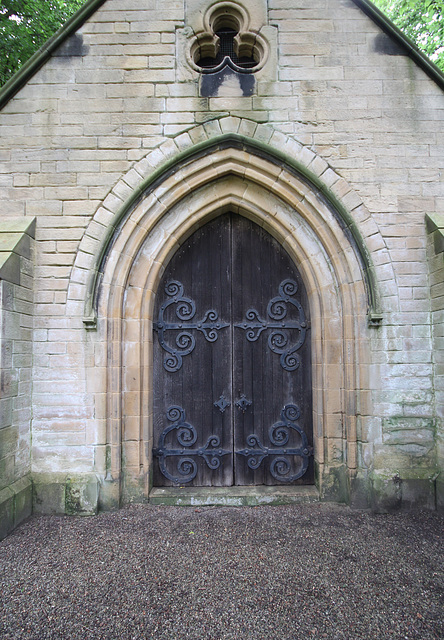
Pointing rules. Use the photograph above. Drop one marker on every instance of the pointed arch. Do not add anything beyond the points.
(147, 222)
(265, 153)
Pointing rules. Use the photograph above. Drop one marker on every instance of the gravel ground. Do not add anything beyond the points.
(210, 573)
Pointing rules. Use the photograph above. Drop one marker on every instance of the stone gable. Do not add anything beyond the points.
(120, 144)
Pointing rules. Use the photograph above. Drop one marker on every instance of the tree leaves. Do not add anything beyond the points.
(25, 25)
(422, 21)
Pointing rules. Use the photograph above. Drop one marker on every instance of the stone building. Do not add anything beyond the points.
(222, 227)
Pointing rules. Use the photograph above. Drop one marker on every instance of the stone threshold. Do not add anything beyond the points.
(245, 496)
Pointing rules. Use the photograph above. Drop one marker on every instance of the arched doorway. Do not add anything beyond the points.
(232, 388)
(340, 283)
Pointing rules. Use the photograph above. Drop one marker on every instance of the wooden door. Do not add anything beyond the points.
(232, 366)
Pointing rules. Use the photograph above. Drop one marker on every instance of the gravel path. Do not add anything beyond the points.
(213, 573)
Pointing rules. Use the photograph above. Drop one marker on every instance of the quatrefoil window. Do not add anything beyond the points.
(227, 53)
(228, 42)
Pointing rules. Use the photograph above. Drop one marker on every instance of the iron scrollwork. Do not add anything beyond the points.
(279, 435)
(185, 311)
(279, 339)
(186, 436)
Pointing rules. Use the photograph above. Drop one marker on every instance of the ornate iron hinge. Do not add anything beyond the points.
(279, 340)
(279, 435)
(186, 436)
(185, 312)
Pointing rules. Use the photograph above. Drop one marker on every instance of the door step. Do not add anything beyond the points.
(244, 496)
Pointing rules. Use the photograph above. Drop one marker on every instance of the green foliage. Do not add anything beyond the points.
(25, 25)
(422, 21)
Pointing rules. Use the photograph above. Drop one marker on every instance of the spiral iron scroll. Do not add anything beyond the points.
(186, 436)
(279, 337)
(185, 311)
(280, 453)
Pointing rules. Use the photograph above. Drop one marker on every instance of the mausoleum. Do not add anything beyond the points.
(221, 263)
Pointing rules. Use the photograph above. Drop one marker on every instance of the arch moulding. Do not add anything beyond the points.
(152, 218)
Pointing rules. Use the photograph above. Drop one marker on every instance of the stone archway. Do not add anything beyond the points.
(329, 254)
(332, 274)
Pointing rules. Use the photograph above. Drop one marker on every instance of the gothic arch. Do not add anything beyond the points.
(178, 154)
(329, 254)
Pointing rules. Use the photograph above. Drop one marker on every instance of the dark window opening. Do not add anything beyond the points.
(226, 49)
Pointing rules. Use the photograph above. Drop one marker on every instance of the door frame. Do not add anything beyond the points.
(329, 261)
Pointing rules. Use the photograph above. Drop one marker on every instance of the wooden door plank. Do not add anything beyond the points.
(201, 266)
(260, 265)
(231, 265)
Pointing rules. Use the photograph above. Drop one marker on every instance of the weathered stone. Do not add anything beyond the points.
(81, 496)
(418, 433)
(387, 494)
(48, 494)
(15, 504)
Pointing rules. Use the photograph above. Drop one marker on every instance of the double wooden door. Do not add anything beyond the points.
(232, 365)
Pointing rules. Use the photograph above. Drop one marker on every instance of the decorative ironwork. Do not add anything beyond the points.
(279, 339)
(186, 436)
(243, 403)
(222, 403)
(185, 312)
(279, 435)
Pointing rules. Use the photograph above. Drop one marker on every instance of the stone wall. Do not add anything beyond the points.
(16, 320)
(435, 228)
(120, 100)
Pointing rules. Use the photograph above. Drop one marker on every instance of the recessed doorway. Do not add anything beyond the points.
(232, 362)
